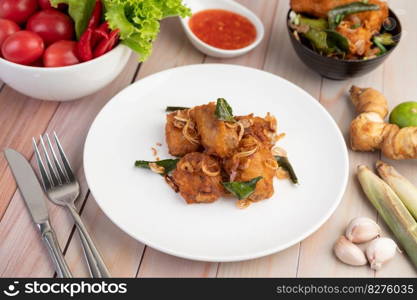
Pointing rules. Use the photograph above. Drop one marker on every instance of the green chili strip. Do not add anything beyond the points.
(337, 14)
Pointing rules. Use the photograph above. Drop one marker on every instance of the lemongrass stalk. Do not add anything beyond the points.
(392, 210)
(405, 190)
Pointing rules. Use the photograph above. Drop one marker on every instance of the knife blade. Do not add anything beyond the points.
(35, 200)
(29, 186)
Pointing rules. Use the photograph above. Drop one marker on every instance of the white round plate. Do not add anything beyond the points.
(145, 207)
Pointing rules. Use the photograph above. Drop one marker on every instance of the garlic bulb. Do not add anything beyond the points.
(348, 252)
(380, 251)
(362, 229)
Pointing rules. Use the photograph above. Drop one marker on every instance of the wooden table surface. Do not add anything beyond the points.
(21, 250)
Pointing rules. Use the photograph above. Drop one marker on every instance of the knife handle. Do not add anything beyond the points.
(51, 242)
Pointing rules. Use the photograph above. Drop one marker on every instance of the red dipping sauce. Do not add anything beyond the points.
(223, 29)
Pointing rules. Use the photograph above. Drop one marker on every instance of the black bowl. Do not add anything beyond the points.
(340, 69)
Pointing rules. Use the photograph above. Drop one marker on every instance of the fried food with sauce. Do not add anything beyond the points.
(358, 28)
(320, 8)
(233, 157)
(216, 136)
(198, 177)
(359, 38)
(253, 159)
(263, 129)
(178, 144)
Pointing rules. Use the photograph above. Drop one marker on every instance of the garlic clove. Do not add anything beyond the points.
(362, 229)
(380, 251)
(348, 252)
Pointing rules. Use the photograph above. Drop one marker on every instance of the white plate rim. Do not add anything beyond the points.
(236, 258)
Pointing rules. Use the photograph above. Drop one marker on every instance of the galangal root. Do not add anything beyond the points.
(369, 131)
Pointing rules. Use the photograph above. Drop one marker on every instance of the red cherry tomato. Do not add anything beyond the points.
(46, 4)
(51, 25)
(37, 63)
(23, 47)
(7, 28)
(60, 54)
(17, 10)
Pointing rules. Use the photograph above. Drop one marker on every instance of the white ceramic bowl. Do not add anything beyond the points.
(198, 5)
(65, 83)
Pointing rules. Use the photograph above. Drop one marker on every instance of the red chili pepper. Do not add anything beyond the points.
(104, 27)
(101, 32)
(84, 47)
(106, 45)
(96, 15)
(98, 37)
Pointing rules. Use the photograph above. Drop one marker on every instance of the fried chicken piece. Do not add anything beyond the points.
(253, 159)
(320, 8)
(359, 38)
(178, 145)
(357, 28)
(263, 129)
(317, 8)
(198, 178)
(216, 137)
(371, 20)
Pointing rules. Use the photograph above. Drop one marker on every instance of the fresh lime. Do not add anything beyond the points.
(404, 114)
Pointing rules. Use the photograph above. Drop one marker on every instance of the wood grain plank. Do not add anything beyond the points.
(21, 118)
(22, 252)
(282, 264)
(158, 264)
(335, 99)
(281, 60)
(399, 86)
(121, 253)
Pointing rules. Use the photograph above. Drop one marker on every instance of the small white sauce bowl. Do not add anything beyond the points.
(230, 5)
(65, 83)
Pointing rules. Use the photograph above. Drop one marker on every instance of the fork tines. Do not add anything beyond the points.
(57, 173)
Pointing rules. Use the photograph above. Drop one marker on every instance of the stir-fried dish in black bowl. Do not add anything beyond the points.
(343, 38)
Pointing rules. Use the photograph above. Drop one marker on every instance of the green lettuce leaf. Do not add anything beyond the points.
(138, 20)
(80, 12)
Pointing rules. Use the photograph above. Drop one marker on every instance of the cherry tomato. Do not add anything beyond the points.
(51, 25)
(60, 54)
(46, 4)
(7, 28)
(23, 47)
(17, 10)
(38, 63)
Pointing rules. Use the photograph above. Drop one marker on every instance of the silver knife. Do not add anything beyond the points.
(34, 197)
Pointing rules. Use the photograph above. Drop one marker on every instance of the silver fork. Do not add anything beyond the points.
(62, 188)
